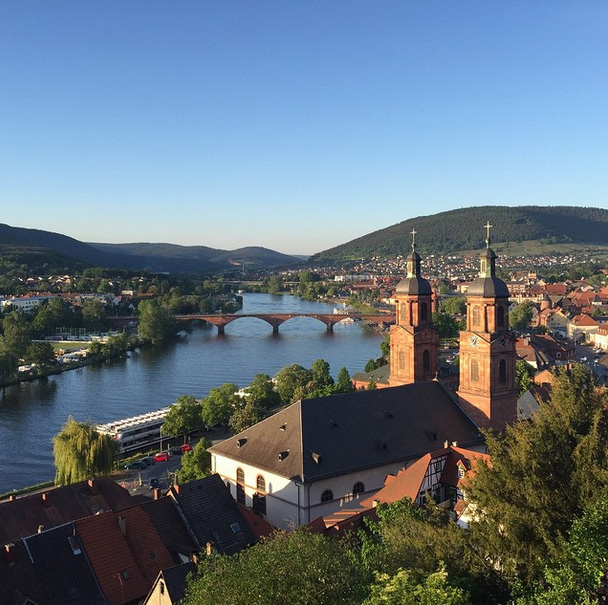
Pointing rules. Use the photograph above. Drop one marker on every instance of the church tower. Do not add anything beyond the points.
(414, 341)
(487, 391)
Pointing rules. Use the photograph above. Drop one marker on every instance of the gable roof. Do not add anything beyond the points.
(126, 565)
(323, 437)
(212, 514)
(23, 516)
(175, 581)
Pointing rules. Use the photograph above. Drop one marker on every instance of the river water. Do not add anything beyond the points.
(33, 412)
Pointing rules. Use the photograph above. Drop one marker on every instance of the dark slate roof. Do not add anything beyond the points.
(62, 567)
(414, 285)
(23, 516)
(212, 514)
(318, 438)
(488, 287)
(175, 580)
(18, 579)
(170, 527)
(380, 375)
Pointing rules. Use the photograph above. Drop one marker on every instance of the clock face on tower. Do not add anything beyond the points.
(503, 342)
(474, 340)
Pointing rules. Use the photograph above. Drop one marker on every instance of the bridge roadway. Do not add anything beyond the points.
(274, 319)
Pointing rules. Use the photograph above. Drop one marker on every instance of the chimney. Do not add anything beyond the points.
(46, 499)
(10, 553)
(122, 524)
(12, 498)
(157, 493)
(93, 486)
(40, 529)
(209, 549)
(176, 488)
(445, 444)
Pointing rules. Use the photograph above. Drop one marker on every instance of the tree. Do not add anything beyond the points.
(261, 393)
(155, 322)
(299, 568)
(93, 314)
(184, 415)
(543, 475)
(446, 325)
(41, 353)
(524, 376)
(81, 452)
(289, 378)
(244, 417)
(16, 333)
(454, 305)
(51, 315)
(8, 362)
(520, 317)
(344, 383)
(321, 375)
(404, 589)
(196, 464)
(220, 404)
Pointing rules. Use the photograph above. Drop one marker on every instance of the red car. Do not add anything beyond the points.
(161, 457)
(186, 448)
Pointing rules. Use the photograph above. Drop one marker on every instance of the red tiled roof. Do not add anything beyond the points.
(125, 565)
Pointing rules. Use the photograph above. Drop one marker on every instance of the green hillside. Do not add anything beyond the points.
(462, 229)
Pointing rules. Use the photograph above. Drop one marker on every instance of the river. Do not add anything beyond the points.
(33, 412)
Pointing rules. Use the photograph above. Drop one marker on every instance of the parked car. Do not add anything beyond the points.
(161, 457)
(186, 448)
(175, 451)
(149, 460)
(138, 465)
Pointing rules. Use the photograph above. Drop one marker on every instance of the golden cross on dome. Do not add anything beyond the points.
(487, 227)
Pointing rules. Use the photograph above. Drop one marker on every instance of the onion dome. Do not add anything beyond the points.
(487, 284)
(413, 283)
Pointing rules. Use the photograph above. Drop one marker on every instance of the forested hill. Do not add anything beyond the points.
(462, 229)
(45, 251)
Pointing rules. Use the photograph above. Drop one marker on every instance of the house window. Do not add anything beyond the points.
(259, 498)
(476, 320)
(500, 316)
(474, 371)
(402, 360)
(502, 371)
(240, 486)
(423, 312)
(358, 488)
(426, 360)
(327, 496)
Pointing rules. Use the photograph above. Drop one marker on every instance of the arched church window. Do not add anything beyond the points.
(358, 488)
(426, 360)
(474, 371)
(402, 360)
(500, 317)
(240, 486)
(502, 371)
(327, 496)
(423, 312)
(476, 318)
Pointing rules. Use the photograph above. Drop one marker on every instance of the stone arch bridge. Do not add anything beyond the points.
(274, 319)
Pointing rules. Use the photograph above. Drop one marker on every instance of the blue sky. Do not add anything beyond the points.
(295, 125)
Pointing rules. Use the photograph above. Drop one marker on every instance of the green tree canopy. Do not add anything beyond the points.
(155, 322)
(524, 376)
(447, 326)
(298, 568)
(196, 464)
(81, 452)
(520, 317)
(184, 415)
(454, 305)
(262, 394)
(93, 314)
(543, 475)
(40, 353)
(16, 333)
(220, 404)
(289, 378)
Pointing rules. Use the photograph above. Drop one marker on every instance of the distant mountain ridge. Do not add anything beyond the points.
(462, 229)
(145, 256)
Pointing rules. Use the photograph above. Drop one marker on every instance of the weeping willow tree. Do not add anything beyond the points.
(81, 452)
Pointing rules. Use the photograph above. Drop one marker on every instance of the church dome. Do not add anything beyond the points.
(489, 287)
(413, 283)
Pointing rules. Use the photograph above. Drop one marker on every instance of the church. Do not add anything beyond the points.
(318, 456)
